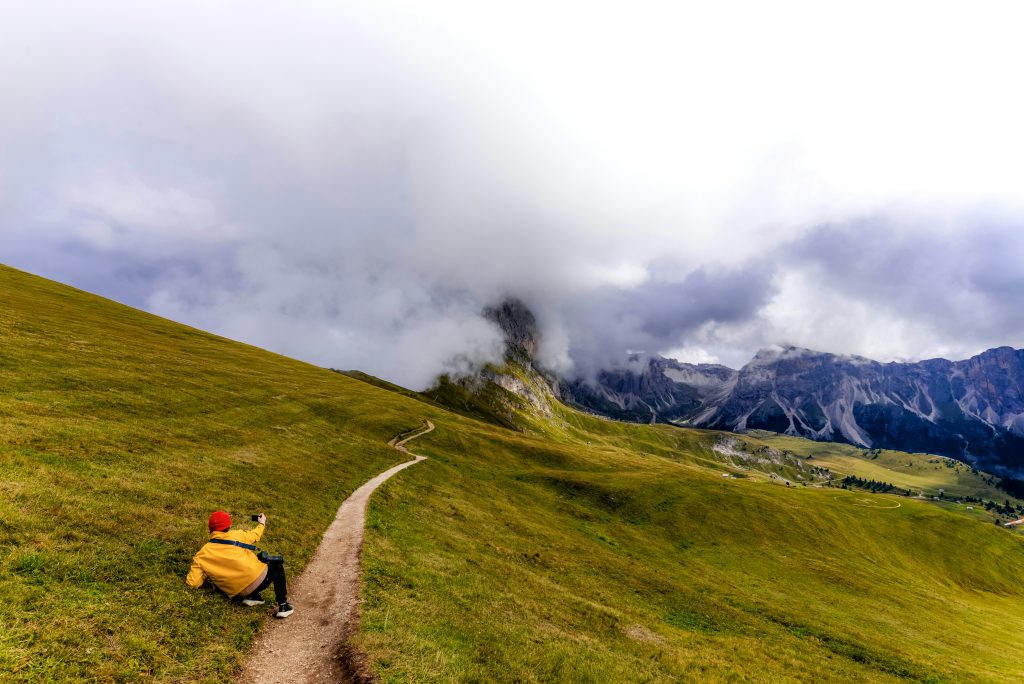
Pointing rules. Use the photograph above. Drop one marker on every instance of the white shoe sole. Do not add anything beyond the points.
(250, 602)
(284, 613)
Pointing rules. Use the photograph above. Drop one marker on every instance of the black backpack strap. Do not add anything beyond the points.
(232, 542)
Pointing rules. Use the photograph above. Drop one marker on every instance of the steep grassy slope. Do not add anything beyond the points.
(119, 433)
(619, 553)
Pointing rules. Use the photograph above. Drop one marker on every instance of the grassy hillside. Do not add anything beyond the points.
(619, 553)
(119, 433)
(587, 551)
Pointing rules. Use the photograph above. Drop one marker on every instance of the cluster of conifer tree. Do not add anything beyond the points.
(851, 481)
(1006, 508)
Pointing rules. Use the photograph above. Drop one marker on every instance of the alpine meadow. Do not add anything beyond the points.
(581, 550)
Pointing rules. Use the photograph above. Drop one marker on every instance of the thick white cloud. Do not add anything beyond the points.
(350, 182)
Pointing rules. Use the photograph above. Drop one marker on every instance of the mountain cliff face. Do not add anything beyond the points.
(661, 390)
(971, 409)
(519, 327)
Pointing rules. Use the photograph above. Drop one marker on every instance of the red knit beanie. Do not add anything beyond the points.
(219, 521)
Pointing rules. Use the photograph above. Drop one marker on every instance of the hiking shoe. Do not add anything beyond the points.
(253, 600)
(284, 610)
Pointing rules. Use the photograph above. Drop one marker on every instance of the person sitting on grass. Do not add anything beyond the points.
(229, 561)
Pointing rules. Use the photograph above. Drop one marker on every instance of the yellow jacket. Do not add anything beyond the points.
(230, 568)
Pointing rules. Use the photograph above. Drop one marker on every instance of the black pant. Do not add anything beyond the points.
(275, 574)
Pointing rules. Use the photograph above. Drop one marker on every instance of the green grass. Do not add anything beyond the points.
(582, 550)
(921, 473)
(119, 433)
(619, 553)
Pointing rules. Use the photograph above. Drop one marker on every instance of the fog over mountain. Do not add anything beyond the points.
(353, 183)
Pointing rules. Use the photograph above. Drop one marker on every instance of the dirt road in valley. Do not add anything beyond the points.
(311, 645)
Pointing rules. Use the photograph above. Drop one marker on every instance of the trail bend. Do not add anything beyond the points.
(311, 645)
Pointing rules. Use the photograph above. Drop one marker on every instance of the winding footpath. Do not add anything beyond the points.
(311, 645)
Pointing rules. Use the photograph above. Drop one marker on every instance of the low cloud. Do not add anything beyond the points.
(606, 323)
(351, 183)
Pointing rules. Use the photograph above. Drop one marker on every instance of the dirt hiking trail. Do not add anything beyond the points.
(311, 645)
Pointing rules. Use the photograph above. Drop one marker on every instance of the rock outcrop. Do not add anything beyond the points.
(516, 393)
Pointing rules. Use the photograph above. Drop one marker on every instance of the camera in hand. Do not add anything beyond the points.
(267, 558)
(256, 517)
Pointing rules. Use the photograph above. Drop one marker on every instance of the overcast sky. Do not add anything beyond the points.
(349, 183)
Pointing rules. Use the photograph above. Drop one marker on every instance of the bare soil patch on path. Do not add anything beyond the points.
(311, 645)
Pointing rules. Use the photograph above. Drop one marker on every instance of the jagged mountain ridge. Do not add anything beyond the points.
(971, 409)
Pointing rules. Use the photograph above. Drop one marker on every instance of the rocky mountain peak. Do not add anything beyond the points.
(514, 393)
(519, 326)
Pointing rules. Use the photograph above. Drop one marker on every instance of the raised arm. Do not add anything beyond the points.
(253, 536)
